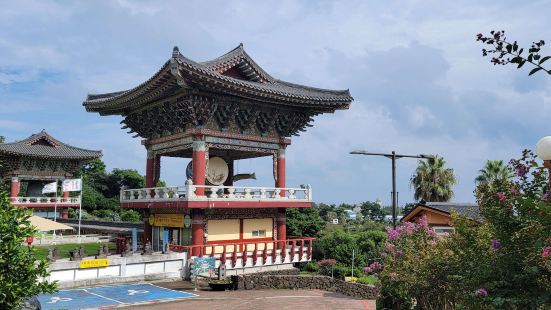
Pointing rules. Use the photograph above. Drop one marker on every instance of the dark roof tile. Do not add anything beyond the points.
(43, 145)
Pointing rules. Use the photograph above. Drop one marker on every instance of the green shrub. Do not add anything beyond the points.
(310, 267)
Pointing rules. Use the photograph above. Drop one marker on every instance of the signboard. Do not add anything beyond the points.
(204, 266)
(72, 185)
(167, 220)
(187, 221)
(94, 263)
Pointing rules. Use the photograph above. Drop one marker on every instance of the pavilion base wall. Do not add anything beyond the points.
(292, 280)
(133, 268)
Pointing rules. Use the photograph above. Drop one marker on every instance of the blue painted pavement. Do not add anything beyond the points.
(104, 296)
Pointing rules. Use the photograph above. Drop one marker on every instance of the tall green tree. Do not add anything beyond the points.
(304, 222)
(20, 272)
(494, 171)
(373, 210)
(432, 181)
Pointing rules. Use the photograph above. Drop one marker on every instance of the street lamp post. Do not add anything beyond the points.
(543, 149)
(393, 156)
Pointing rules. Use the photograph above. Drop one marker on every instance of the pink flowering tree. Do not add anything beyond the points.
(500, 262)
(415, 269)
(517, 215)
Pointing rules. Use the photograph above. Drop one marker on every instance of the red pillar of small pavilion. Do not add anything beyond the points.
(14, 189)
(199, 166)
(65, 213)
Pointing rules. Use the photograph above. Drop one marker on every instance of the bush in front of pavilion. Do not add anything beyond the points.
(20, 271)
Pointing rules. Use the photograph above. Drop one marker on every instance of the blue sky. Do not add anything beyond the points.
(417, 75)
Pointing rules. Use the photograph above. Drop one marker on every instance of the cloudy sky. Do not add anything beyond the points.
(417, 75)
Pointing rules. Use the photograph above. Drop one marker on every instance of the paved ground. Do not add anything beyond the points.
(260, 299)
(181, 295)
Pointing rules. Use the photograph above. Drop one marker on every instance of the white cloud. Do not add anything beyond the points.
(420, 83)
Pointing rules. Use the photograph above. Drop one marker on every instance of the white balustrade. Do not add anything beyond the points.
(45, 201)
(188, 192)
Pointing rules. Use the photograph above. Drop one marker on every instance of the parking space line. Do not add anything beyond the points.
(120, 302)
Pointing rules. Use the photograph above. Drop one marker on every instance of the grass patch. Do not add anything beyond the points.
(63, 249)
(368, 280)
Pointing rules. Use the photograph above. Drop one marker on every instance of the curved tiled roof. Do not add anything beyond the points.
(181, 71)
(43, 145)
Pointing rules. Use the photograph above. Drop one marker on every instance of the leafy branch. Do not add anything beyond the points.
(506, 52)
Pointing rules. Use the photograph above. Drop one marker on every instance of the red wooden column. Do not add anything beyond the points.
(280, 173)
(199, 166)
(14, 189)
(281, 228)
(65, 197)
(150, 170)
(197, 231)
(150, 177)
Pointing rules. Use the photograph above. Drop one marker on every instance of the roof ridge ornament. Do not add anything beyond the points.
(175, 52)
(175, 68)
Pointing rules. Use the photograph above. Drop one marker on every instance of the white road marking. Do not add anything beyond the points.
(134, 292)
(120, 302)
(55, 299)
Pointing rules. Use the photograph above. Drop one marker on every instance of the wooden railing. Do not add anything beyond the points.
(277, 251)
(188, 192)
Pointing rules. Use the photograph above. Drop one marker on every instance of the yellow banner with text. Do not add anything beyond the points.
(94, 263)
(167, 220)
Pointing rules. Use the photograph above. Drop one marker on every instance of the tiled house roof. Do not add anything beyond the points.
(469, 210)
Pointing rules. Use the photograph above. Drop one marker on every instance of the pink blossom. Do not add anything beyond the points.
(423, 222)
(392, 234)
(409, 228)
(481, 292)
(546, 252)
(373, 267)
(501, 196)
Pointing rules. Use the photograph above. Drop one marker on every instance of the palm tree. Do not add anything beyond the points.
(494, 170)
(432, 181)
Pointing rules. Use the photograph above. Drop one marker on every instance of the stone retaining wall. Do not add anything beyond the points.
(292, 280)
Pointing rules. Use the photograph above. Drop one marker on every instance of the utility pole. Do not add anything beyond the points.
(393, 156)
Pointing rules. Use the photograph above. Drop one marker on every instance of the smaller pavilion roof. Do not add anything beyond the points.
(43, 145)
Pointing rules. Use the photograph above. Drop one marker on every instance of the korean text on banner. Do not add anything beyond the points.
(72, 185)
(50, 188)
